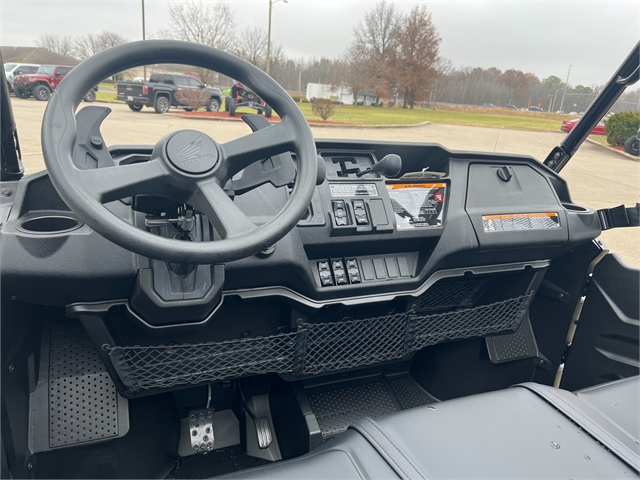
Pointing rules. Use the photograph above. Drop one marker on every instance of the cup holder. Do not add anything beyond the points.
(575, 208)
(49, 224)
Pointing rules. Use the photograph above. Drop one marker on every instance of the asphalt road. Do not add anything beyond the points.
(597, 178)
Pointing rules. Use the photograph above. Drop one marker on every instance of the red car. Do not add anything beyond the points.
(568, 125)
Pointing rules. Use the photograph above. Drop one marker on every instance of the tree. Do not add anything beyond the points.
(418, 45)
(376, 41)
(193, 98)
(60, 44)
(88, 45)
(355, 76)
(207, 24)
(552, 82)
(252, 46)
(323, 107)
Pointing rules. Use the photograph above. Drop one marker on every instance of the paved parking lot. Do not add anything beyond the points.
(597, 178)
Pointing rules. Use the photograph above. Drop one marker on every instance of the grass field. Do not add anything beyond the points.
(107, 97)
(600, 139)
(399, 116)
(361, 115)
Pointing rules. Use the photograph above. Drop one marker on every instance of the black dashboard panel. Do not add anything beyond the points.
(356, 244)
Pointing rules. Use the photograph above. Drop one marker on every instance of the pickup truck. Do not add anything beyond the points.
(43, 82)
(160, 92)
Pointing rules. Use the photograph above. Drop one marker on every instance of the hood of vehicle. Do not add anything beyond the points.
(27, 78)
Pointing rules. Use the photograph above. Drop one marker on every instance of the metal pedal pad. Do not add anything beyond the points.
(201, 430)
(263, 432)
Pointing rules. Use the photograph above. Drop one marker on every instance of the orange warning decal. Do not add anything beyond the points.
(519, 215)
(415, 185)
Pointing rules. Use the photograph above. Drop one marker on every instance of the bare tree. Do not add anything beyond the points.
(376, 41)
(87, 45)
(252, 46)
(323, 107)
(355, 76)
(60, 44)
(194, 99)
(418, 46)
(207, 24)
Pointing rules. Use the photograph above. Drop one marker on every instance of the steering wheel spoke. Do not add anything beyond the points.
(242, 152)
(228, 220)
(187, 166)
(113, 183)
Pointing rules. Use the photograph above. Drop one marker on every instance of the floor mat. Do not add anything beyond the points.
(215, 463)
(337, 406)
(75, 401)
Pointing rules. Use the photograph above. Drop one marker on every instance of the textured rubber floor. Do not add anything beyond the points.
(83, 402)
(339, 405)
(75, 401)
(515, 346)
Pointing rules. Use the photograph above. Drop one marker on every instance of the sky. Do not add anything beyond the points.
(542, 37)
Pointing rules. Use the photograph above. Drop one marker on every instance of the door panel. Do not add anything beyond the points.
(606, 343)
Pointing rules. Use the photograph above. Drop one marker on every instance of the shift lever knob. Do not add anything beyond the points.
(389, 166)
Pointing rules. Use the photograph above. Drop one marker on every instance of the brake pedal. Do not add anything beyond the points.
(201, 430)
(263, 432)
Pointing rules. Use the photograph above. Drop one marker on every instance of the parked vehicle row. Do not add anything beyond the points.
(12, 70)
(160, 92)
(39, 81)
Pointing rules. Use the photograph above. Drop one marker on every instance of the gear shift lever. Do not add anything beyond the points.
(389, 166)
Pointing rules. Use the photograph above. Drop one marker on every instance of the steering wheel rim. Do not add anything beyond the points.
(81, 189)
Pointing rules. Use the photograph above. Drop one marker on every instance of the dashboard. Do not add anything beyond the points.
(364, 238)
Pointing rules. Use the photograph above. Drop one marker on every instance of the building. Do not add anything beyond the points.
(37, 55)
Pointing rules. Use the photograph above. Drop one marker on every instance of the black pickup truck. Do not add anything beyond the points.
(160, 92)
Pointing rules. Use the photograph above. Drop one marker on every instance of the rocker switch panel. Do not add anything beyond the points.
(340, 213)
(326, 279)
(360, 212)
(339, 272)
(353, 271)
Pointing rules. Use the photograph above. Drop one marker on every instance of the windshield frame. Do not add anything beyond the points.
(627, 74)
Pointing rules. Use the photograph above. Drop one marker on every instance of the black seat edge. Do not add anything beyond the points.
(590, 418)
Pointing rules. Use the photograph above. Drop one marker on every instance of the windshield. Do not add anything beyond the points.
(504, 77)
(46, 69)
(9, 66)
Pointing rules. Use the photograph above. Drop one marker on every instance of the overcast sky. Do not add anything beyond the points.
(539, 37)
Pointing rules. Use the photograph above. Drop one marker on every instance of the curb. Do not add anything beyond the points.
(347, 125)
(624, 154)
(330, 125)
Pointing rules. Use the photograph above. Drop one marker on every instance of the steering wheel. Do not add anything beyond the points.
(187, 166)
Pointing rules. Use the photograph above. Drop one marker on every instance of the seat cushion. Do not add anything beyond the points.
(515, 433)
(618, 402)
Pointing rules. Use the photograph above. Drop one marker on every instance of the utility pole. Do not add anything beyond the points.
(144, 37)
(565, 88)
(555, 95)
(271, 2)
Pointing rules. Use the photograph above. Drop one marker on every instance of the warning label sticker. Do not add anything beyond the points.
(353, 189)
(520, 221)
(417, 205)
